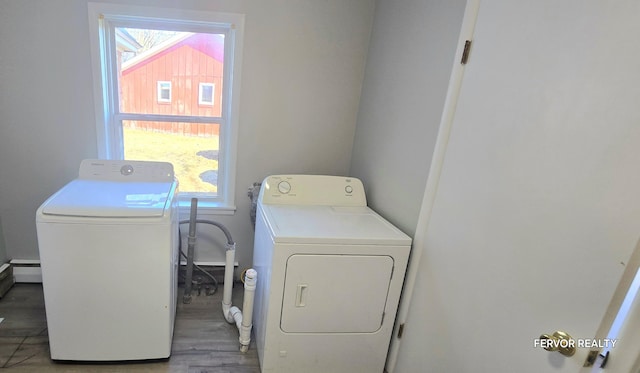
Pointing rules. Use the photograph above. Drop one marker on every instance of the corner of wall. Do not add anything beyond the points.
(3, 249)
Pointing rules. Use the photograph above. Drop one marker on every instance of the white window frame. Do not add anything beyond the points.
(160, 89)
(201, 101)
(103, 18)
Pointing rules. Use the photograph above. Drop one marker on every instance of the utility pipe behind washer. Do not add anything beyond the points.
(232, 313)
(191, 244)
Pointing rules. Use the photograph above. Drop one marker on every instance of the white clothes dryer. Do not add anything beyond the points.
(108, 245)
(330, 274)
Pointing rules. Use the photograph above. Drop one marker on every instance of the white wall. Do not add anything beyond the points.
(407, 75)
(302, 73)
(410, 58)
(3, 250)
(46, 110)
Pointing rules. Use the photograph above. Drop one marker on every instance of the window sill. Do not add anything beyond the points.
(207, 208)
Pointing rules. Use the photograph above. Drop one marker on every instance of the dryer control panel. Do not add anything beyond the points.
(319, 190)
(123, 170)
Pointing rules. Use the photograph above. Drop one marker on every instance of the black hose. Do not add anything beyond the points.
(222, 228)
(204, 271)
(191, 247)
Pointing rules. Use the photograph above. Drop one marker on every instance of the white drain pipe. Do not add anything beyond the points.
(228, 282)
(232, 313)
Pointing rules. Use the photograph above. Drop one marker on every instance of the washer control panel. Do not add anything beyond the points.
(284, 187)
(123, 170)
(313, 190)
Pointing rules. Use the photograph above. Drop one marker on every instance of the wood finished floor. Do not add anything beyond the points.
(203, 341)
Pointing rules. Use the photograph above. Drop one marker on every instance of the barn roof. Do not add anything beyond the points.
(209, 44)
(126, 42)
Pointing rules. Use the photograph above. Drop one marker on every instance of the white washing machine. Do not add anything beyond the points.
(108, 246)
(330, 274)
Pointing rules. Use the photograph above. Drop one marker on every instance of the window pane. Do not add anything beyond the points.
(164, 91)
(182, 59)
(206, 93)
(192, 148)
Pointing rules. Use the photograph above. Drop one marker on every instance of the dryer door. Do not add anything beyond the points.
(335, 293)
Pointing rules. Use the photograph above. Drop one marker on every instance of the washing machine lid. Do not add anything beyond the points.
(331, 225)
(99, 198)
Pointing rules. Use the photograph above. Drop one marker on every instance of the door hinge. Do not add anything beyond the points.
(400, 330)
(593, 356)
(465, 52)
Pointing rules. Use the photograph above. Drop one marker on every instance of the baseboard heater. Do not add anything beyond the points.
(27, 270)
(215, 269)
(6, 278)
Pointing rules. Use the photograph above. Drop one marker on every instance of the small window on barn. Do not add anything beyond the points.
(145, 58)
(164, 91)
(205, 97)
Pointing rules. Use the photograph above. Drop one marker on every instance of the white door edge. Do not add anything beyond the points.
(431, 188)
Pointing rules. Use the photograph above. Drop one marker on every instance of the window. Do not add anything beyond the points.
(206, 93)
(164, 91)
(155, 79)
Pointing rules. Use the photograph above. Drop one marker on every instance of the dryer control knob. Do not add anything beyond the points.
(284, 187)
